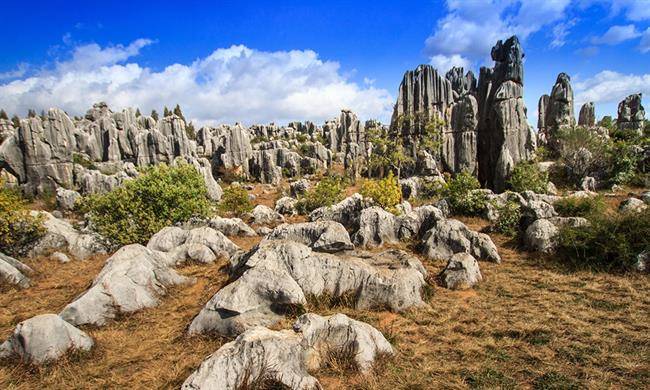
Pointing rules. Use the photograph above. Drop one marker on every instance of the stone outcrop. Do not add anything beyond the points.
(322, 236)
(631, 114)
(231, 227)
(461, 273)
(558, 110)
(261, 356)
(587, 116)
(44, 338)
(504, 136)
(203, 244)
(279, 275)
(449, 237)
(13, 272)
(541, 235)
(133, 279)
(61, 235)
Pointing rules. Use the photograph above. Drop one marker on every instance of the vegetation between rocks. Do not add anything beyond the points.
(385, 192)
(327, 192)
(18, 228)
(235, 201)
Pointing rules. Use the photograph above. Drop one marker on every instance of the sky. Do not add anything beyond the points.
(280, 61)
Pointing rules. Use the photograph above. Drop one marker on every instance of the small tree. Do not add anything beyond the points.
(16, 121)
(137, 113)
(166, 112)
(3, 115)
(190, 131)
(387, 152)
(154, 115)
(178, 112)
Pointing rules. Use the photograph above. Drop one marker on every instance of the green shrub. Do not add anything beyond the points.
(301, 137)
(508, 221)
(385, 192)
(18, 229)
(626, 158)
(583, 153)
(526, 176)
(235, 201)
(580, 207)
(430, 189)
(159, 197)
(83, 161)
(609, 243)
(462, 195)
(327, 192)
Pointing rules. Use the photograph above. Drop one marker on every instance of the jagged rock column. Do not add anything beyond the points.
(631, 114)
(587, 117)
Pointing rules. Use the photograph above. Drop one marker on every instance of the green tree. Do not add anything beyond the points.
(387, 152)
(166, 112)
(154, 115)
(138, 113)
(190, 131)
(607, 122)
(16, 121)
(178, 112)
(3, 114)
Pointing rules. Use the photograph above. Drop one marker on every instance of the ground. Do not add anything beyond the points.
(531, 323)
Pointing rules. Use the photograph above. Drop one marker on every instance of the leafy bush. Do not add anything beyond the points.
(508, 221)
(385, 192)
(526, 176)
(235, 201)
(626, 159)
(609, 243)
(159, 197)
(327, 192)
(433, 188)
(583, 153)
(18, 228)
(462, 195)
(580, 207)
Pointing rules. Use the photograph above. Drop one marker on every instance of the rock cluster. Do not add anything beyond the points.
(631, 114)
(262, 357)
(558, 110)
(14, 272)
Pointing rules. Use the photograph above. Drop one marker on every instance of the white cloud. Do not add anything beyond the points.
(20, 71)
(644, 46)
(616, 34)
(443, 63)
(561, 31)
(231, 84)
(610, 87)
(635, 10)
(471, 28)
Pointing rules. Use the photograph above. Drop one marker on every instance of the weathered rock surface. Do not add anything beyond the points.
(322, 236)
(231, 227)
(461, 273)
(278, 275)
(504, 136)
(541, 235)
(559, 110)
(587, 116)
(346, 212)
(13, 272)
(286, 206)
(264, 215)
(43, 339)
(177, 242)
(288, 356)
(66, 199)
(62, 236)
(132, 279)
(450, 236)
(632, 205)
(631, 114)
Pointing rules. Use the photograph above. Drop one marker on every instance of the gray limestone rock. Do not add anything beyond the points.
(176, 243)
(322, 236)
(264, 215)
(631, 114)
(14, 272)
(286, 206)
(461, 273)
(587, 116)
(66, 199)
(44, 338)
(450, 236)
(632, 205)
(541, 235)
(61, 235)
(231, 227)
(346, 212)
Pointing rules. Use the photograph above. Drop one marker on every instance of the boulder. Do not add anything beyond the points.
(262, 357)
(588, 183)
(631, 115)
(642, 263)
(632, 205)
(587, 116)
(44, 338)
(231, 227)
(376, 227)
(60, 257)
(286, 206)
(66, 199)
(321, 236)
(176, 242)
(264, 215)
(14, 272)
(279, 275)
(450, 236)
(132, 279)
(346, 212)
(461, 273)
(541, 235)
(298, 188)
(61, 235)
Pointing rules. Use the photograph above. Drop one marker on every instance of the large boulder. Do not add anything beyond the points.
(631, 115)
(450, 236)
(632, 205)
(346, 212)
(278, 275)
(61, 235)
(322, 236)
(134, 278)
(43, 339)
(231, 227)
(13, 272)
(262, 357)
(66, 199)
(541, 235)
(286, 206)
(179, 243)
(264, 215)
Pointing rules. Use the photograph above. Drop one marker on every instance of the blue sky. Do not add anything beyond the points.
(260, 61)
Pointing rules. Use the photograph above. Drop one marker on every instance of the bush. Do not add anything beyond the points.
(580, 207)
(508, 221)
(626, 158)
(462, 195)
(609, 243)
(235, 201)
(18, 229)
(159, 197)
(526, 176)
(385, 192)
(583, 153)
(327, 192)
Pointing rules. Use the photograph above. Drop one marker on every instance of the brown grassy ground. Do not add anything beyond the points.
(530, 324)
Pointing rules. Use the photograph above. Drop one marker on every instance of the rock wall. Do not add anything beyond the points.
(631, 114)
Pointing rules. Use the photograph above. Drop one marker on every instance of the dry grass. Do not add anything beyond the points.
(530, 324)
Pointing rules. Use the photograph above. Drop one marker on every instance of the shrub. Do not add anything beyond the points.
(327, 192)
(609, 242)
(626, 158)
(462, 195)
(385, 192)
(18, 229)
(301, 137)
(580, 207)
(235, 201)
(583, 153)
(508, 221)
(159, 197)
(526, 176)
(432, 188)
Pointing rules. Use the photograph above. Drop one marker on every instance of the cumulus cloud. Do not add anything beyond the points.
(231, 84)
(616, 34)
(443, 63)
(644, 46)
(610, 87)
(471, 28)
(635, 10)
